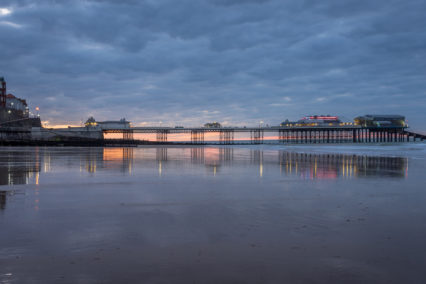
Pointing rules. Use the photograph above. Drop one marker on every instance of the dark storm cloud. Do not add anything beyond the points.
(238, 61)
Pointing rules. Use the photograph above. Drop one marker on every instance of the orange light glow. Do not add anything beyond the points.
(60, 125)
(113, 154)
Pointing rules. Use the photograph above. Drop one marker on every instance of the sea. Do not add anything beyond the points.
(335, 213)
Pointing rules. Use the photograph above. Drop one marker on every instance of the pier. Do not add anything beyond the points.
(284, 135)
(308, 130)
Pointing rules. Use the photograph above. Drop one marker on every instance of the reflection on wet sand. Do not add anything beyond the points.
(24, 167)
(161, 154)
(331, 166)
(197, 155)
(121, 158)
(3, 200)
(187, 214)
(302, 165)
(107, 158)
(21, 167)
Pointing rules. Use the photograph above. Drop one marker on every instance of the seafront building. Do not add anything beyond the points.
(109, 124)
(371, 120)
(368, 120)
(316, 120)
(14, 111)
(212, 125)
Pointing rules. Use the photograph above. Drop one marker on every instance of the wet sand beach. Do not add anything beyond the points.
(254, 214)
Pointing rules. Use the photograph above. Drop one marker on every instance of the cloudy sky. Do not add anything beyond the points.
(239, 62)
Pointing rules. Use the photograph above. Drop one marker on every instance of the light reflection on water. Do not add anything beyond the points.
(25, 165)
(29, 165)
(228, 214)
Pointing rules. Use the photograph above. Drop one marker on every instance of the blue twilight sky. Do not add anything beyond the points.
(182, 62)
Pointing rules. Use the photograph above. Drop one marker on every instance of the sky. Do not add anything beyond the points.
(238, 62)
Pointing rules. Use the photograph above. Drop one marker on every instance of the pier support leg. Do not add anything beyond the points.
(162, 136)
(256, 136)
(197, 137)
(226, 137)
(127, 134)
